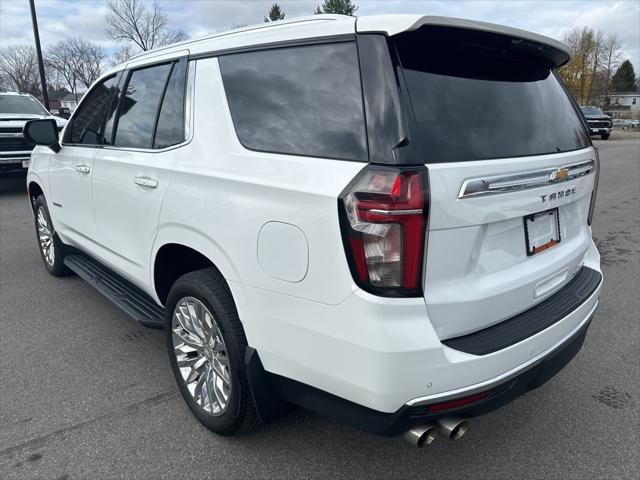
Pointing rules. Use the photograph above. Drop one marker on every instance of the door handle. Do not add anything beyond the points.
(145, 182)
(83, 168)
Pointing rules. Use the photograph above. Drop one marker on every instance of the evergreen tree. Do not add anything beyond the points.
(275, 13)
(624, 80)
(342, 7)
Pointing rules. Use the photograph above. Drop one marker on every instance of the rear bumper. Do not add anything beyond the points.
(382, 354)
(410, 415)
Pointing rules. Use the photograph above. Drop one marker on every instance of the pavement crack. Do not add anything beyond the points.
(128, 410)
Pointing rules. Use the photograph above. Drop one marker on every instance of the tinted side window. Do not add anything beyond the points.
(170, 129)
(113, 108)
(88, 122)
(298, 100)
(139, 106)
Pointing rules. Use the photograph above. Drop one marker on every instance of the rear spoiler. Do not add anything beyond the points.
(552, 51)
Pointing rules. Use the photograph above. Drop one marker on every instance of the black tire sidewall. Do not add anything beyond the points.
(231, 420)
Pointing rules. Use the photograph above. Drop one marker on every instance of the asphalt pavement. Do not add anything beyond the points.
(85, 392)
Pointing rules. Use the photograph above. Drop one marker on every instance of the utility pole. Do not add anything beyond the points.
(43, 81)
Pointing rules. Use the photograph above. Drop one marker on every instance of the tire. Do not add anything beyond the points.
(605, 136)
(52, 250)
(221, 363)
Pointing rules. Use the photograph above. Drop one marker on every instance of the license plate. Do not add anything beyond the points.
(542, 231)
(26, 163)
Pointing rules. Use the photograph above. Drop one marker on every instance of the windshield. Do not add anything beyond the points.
(473, 102)
(21, 104)
(591, 111)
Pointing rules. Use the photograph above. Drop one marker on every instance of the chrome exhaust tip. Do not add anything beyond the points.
(452, 428)
(420, 436)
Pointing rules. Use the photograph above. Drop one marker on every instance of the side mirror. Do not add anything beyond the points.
(42, 132)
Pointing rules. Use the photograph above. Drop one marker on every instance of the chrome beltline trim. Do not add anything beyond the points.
(488, 384)
(522, 181)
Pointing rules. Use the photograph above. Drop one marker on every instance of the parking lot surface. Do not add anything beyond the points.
(85, 392)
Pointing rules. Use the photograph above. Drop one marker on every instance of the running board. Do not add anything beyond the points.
(123, 293)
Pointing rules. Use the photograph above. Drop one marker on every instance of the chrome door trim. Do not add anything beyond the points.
(522, 181)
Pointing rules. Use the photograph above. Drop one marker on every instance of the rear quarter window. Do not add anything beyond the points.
(303, 100)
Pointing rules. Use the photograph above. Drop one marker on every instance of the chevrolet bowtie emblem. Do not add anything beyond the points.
(559, 175)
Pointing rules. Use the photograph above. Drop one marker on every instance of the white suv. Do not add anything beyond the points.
(15, 110)
(385, 220)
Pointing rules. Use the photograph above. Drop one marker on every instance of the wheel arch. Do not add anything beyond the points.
(34, 189)
(179, 250)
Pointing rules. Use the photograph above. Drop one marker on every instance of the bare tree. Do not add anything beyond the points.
(19, 66)
(593, 61)
(76, 61)
(597, 48)
(54, 79)
(583, 69)
(61, 58)
(147, 28)
(611, 59)
(124, 53)
(89, 58)
(4, 82)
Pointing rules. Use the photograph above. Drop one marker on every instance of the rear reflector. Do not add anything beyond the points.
(383, 217)
(458, 402)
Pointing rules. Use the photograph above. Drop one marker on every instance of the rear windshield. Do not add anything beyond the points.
(473, 101)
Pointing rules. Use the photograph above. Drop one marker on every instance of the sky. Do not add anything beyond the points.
(61, 18)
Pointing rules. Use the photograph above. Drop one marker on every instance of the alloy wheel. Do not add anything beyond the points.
(201, 355)
(45, 236)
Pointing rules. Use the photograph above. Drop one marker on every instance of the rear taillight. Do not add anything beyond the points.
(383, 217)
(594, 193)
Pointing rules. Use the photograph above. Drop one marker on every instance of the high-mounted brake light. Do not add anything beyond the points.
(594, 193)
(383, 216)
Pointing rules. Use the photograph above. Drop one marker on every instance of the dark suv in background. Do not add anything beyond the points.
(599, 122)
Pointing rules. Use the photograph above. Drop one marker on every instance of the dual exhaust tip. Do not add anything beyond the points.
(423, 435)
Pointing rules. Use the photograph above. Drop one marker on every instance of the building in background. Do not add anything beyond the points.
(622, 104)
(71, 101)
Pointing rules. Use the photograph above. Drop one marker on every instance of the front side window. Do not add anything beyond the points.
(87, 124)
(139, 106)
(303, 100)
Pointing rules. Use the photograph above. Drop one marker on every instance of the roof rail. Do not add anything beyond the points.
(249, 28)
